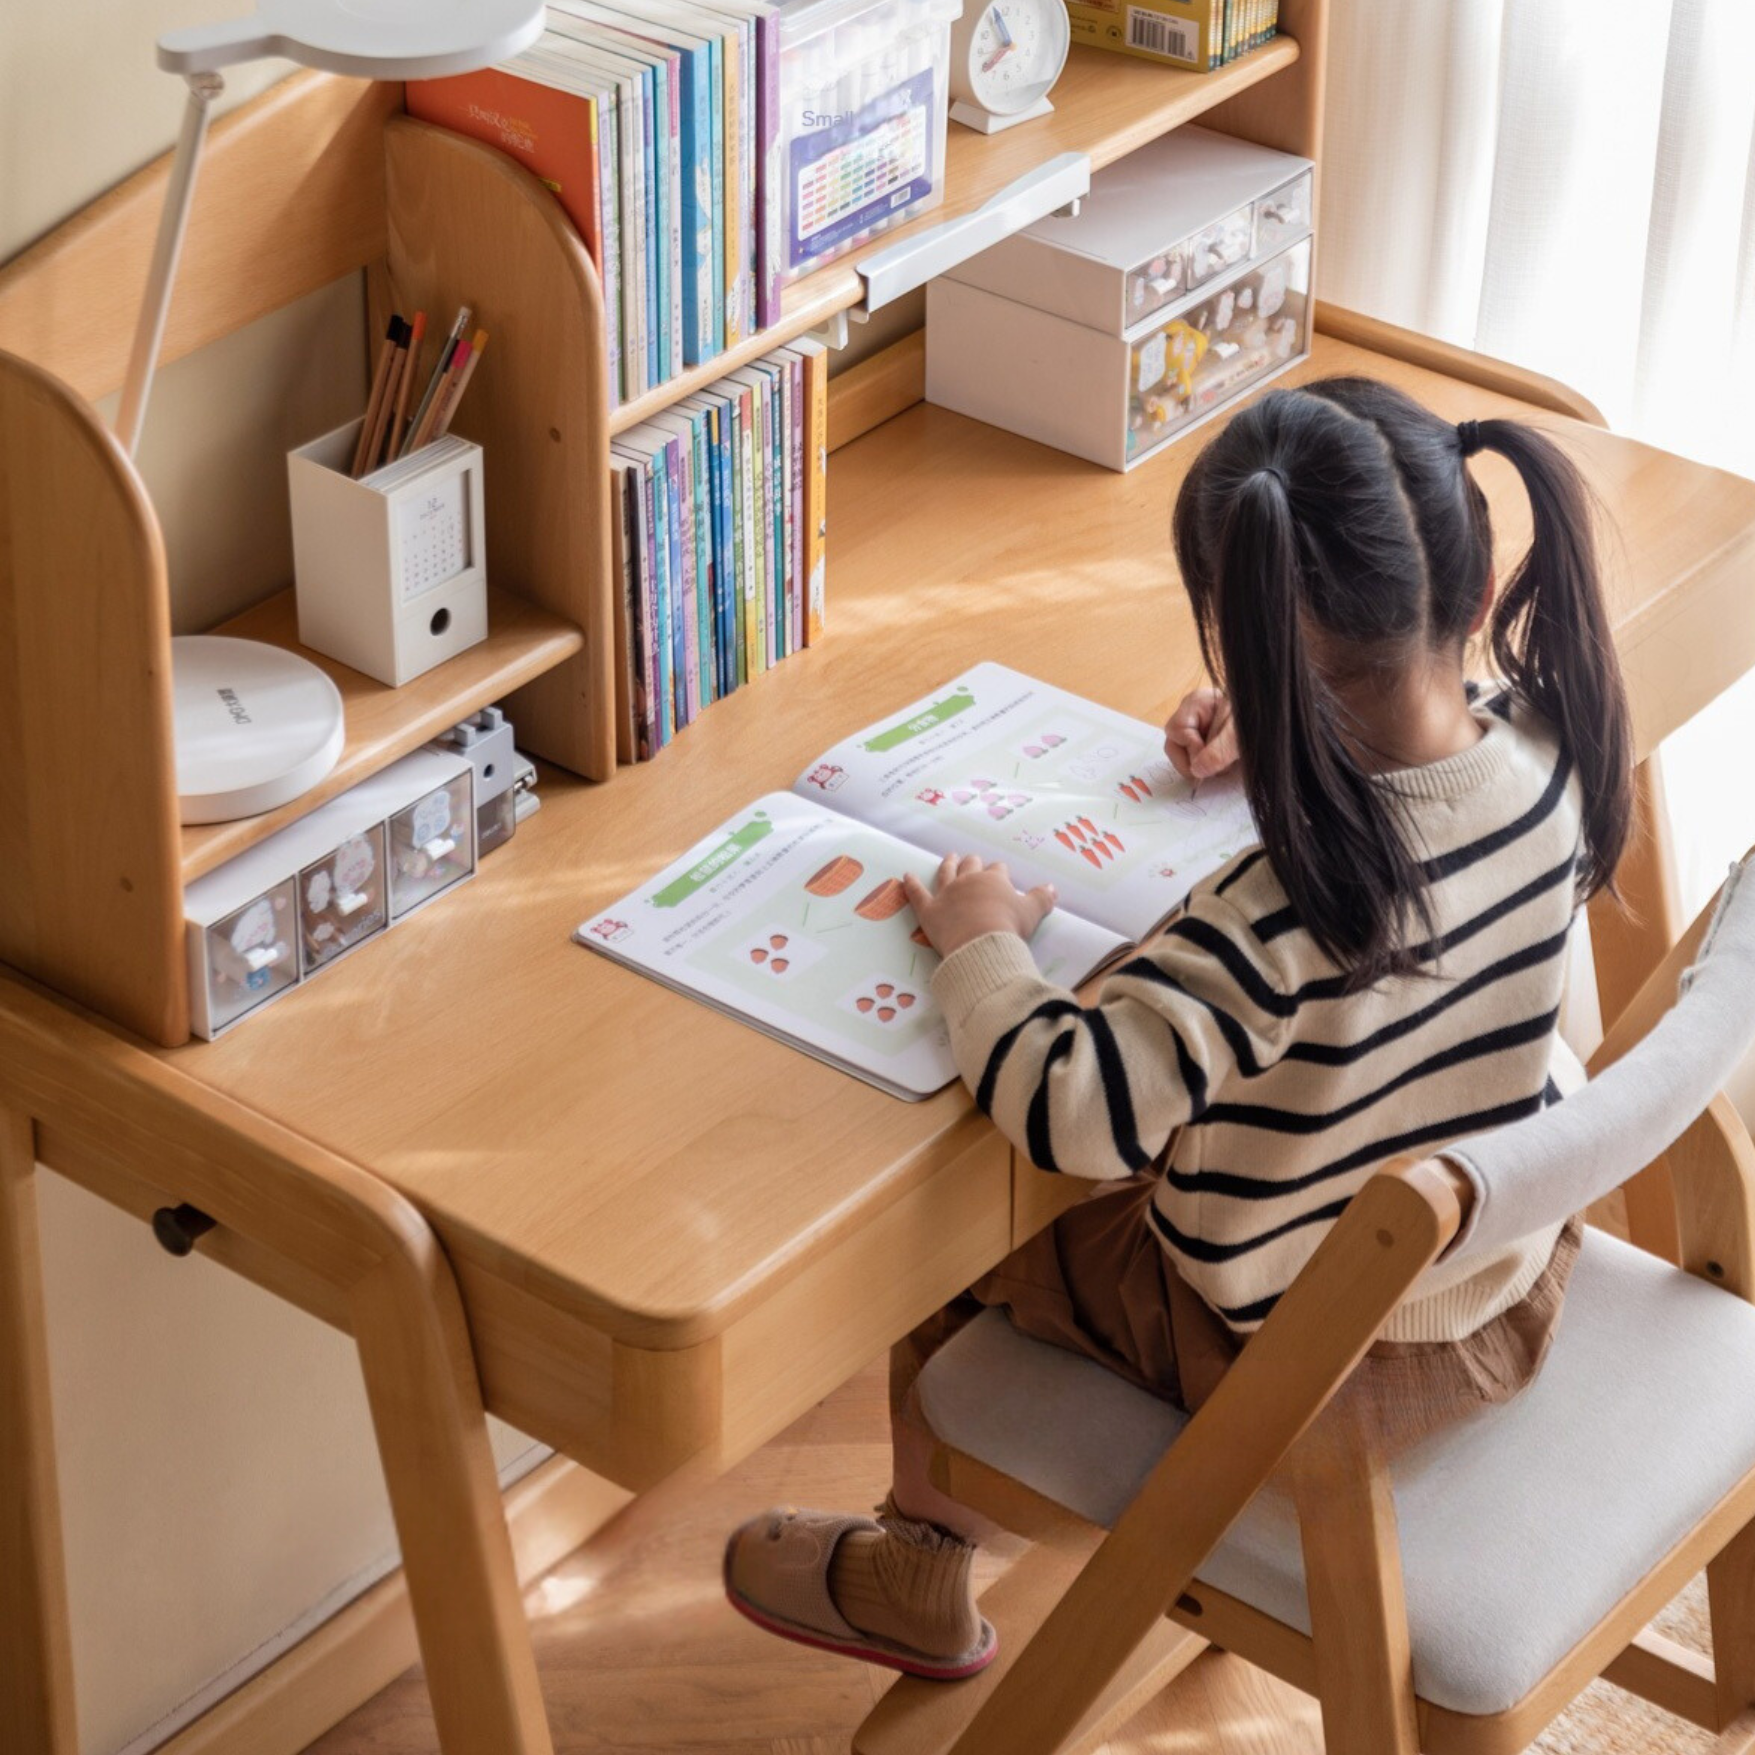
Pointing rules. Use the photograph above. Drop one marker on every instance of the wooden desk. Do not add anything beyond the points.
(669, 1234)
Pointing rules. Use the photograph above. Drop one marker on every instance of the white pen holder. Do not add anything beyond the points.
(391, 569)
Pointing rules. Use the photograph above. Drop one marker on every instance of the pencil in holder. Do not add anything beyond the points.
(391, 569)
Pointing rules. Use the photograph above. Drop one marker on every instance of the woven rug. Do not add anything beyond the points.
(1606, 1721)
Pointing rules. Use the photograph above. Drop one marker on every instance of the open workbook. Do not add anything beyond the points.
(791, 915)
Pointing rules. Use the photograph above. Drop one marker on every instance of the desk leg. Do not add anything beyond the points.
(36, 1661)
(432, 1439)
(1627, 943)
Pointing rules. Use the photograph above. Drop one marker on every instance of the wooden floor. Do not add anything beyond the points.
(640, 1654)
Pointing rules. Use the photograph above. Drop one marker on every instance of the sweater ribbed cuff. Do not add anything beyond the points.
(978, 970)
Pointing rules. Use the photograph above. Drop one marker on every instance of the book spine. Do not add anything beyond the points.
(776, 515)
(752, 564)
(717, 242)
(727, 574)
(657, 258)
(752, 206)
(769, 177)
(609, 177)
(652, 535)
(784, 408)
(640, 623)
(795, 437)
(704, 561)
(816, 521)
(622, 572)
(678, 295)
(681, 590)
(633, 242)
(694, 126)
(688, 581)
(765, 520)
(736, 196)
(739, 555)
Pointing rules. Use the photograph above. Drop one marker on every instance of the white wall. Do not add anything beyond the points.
(218, 1473)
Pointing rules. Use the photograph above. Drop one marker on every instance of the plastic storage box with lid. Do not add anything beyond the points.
(1030, 335)
(864, 96)
(1109, 398)
(1167, 219)
(324, 885)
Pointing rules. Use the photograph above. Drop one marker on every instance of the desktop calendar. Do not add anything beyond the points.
(433, 535)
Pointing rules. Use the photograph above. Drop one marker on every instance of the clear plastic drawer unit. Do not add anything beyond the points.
(1183, 281)
(301, 900)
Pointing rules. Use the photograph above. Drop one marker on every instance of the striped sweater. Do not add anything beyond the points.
(1226, 1054)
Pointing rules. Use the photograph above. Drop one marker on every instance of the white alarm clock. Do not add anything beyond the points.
(1005, 57)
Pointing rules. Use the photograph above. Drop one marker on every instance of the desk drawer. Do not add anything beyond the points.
(635, 1413)
(848, 1306)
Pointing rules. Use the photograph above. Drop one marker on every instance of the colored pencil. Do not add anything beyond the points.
(460, 383)
(380, 378)
(381, 422)
(398, 422)
(440, 366)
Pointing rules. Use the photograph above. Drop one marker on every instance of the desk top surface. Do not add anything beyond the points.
(655, 1168)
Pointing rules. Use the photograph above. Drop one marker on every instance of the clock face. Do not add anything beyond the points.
(1016, 52)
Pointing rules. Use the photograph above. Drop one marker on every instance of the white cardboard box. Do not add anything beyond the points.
(390, 570)
(1190, 205)
(1115, 399)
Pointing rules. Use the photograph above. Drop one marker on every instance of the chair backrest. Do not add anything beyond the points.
(1525, 1177)
(1538, 1172)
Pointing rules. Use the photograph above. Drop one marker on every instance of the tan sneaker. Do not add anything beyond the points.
(777, 1574)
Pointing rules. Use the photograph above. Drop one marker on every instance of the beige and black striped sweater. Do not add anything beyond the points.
(1229, 1040)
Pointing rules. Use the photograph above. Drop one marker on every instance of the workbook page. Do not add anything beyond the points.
(792, 917)
(1063, 790)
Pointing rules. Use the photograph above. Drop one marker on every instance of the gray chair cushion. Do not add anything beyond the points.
(1521, 1526)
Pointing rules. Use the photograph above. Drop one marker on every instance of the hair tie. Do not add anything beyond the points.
(1277, 473)
(1468, 436)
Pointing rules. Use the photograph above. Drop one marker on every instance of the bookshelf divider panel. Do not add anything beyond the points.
(467, 225)
(91, 892)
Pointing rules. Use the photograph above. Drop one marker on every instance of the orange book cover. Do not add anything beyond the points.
(552, 133)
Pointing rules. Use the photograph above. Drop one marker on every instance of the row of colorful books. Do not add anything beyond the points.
(654, 122)
(1247, 25)
(1197, 35)
(718, 531)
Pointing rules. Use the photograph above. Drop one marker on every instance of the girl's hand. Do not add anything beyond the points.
(972, 899)
(1200, 739)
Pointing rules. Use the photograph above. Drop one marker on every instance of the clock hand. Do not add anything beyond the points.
(996, 57)
(1005, 36)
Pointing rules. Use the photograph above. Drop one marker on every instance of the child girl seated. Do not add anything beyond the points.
(1382, 975)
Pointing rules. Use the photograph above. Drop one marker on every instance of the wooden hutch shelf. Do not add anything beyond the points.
(1104, 106)
(436, 220)
(384, 723)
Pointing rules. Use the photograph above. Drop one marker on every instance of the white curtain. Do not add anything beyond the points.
(1567, 184)
(1570, 185)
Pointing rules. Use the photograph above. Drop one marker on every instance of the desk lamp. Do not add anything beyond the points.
(256, 725)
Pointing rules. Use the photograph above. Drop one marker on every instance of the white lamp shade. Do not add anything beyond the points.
(367, 39)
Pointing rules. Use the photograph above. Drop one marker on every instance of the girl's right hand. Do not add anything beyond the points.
(1200, 738)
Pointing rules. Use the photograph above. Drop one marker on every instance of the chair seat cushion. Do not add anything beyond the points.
(1521, 1525)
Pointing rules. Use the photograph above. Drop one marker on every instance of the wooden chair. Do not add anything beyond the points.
(1454, 1596)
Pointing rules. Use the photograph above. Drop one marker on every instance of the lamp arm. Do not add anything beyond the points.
(161, 276)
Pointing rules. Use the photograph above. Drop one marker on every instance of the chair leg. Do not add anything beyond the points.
(36, 1662)
(432, 1438)
(1358, 1613)
(1730, 1591)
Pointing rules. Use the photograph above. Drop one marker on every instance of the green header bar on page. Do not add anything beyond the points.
(729, 850)
(935, 715)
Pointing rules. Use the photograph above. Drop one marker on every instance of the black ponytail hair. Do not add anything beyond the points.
(1333, 533)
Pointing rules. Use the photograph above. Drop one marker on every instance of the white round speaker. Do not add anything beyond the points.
(256, 726)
